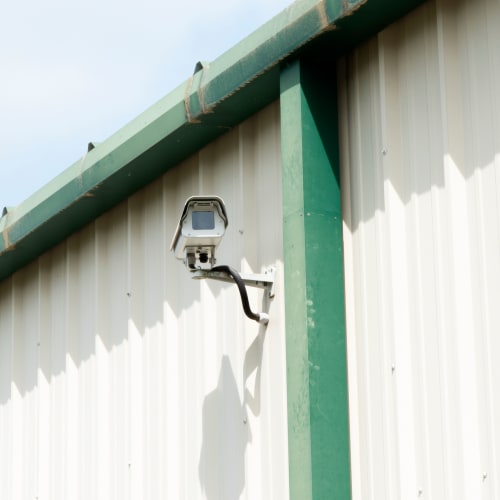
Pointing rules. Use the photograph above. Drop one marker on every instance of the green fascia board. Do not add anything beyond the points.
(217, 97)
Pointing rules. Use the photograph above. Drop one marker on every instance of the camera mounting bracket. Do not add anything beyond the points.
(264, 280)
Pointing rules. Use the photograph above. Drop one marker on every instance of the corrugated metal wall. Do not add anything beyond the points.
(420, 108)
(120, 377)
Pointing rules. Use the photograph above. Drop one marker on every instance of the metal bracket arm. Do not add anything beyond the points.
(265, 280)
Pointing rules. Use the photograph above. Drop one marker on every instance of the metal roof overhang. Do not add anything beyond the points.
(217, 97)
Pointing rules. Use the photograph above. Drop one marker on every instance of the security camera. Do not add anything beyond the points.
(199, 232)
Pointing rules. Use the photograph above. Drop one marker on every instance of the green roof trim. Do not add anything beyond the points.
(217, 97)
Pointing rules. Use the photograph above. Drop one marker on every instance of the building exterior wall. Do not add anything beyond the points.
(420, 148)
(121, 377)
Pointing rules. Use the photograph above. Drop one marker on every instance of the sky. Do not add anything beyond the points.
(76, 71)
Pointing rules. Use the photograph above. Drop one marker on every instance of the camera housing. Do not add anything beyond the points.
(201, 227)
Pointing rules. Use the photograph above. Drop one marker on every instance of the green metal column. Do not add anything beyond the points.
(318, 426)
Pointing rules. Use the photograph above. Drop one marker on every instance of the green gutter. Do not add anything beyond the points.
(216, 98)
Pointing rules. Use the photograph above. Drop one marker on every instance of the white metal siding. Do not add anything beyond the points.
(120, 377)
(420, 108)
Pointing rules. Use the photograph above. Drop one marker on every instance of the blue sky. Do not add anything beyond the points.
(74, 72)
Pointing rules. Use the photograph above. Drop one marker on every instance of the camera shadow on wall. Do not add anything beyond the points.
(226, 428)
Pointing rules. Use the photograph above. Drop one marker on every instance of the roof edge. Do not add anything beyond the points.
(215, 98)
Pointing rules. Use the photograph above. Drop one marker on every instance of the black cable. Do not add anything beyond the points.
(243, 291)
